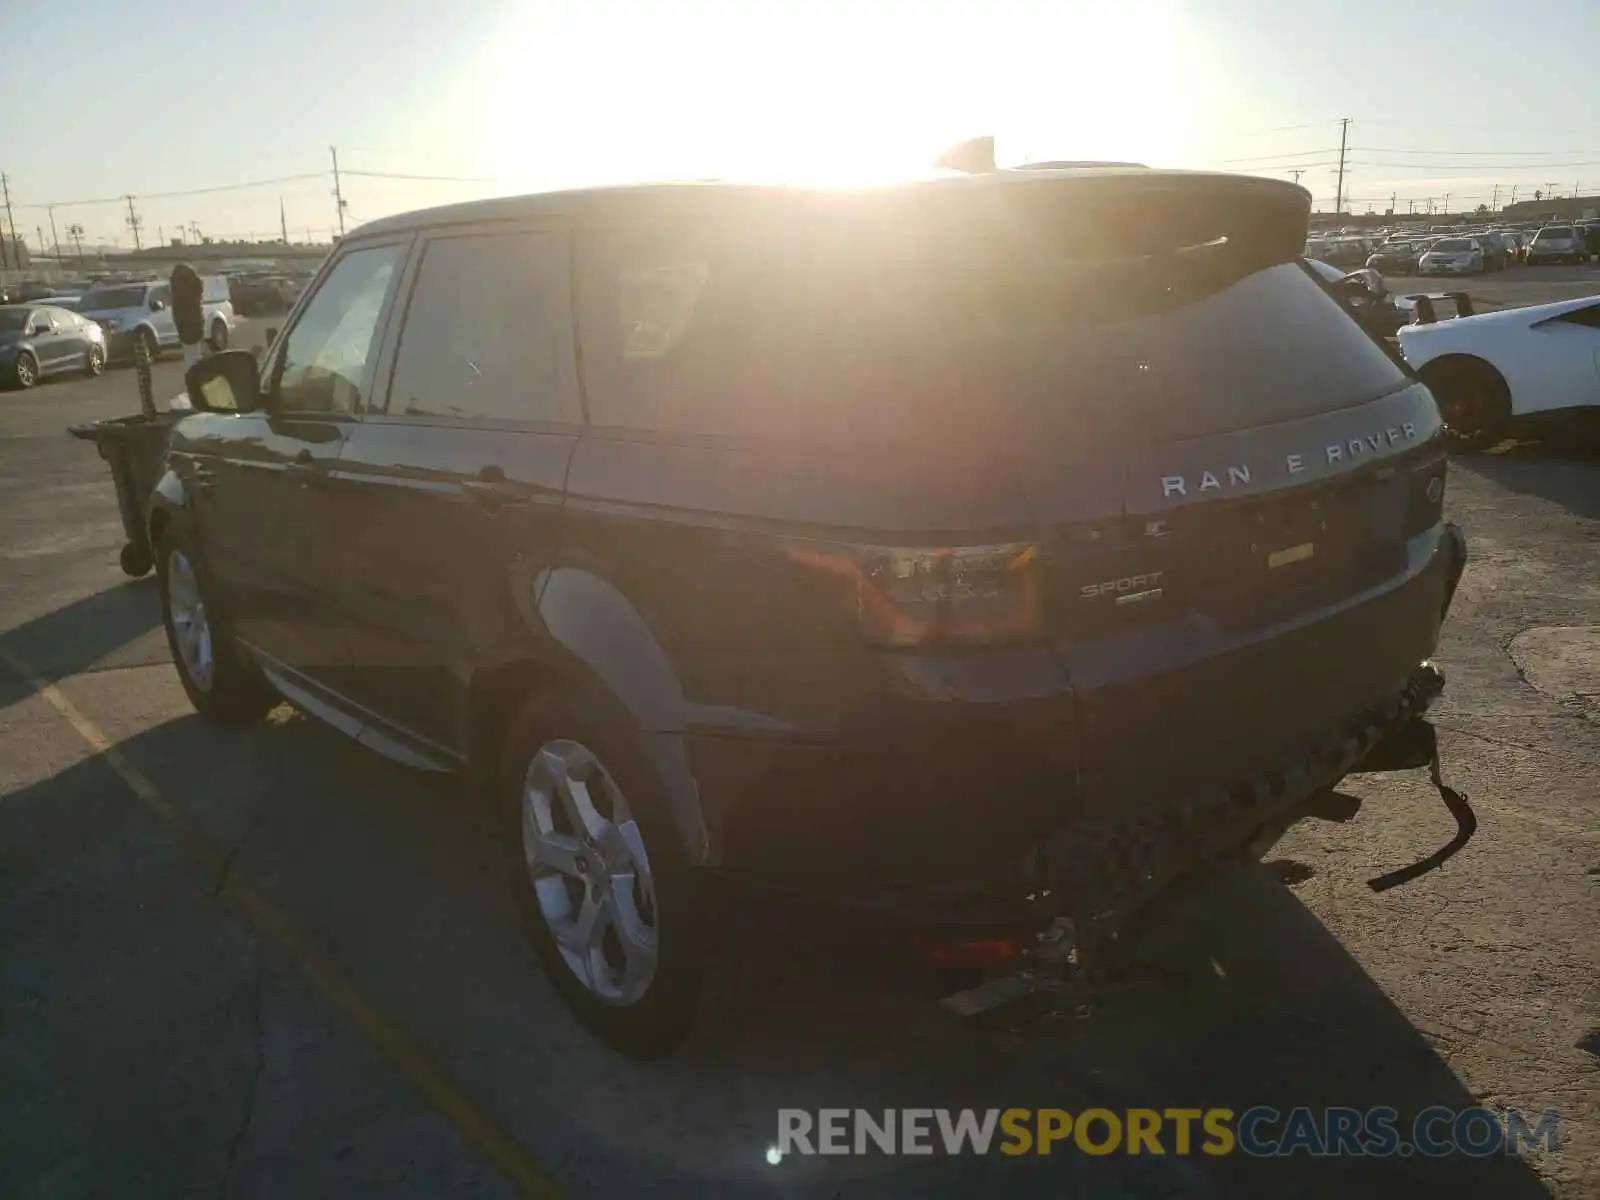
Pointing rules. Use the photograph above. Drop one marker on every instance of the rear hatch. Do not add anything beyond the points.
(1131, 368)
(1228, 472)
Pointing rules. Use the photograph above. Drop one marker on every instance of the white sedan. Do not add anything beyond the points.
(1488, 370)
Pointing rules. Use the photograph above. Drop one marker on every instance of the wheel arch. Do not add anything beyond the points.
(596, 643)
(1456, 360)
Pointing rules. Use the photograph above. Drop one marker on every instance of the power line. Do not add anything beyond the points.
(1469, 153)
(1287, 154)
(425, 178)
(206, 191)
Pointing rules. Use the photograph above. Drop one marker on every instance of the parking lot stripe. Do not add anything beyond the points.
(476, 1126)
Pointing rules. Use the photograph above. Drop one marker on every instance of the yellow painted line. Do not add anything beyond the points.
(480, 1129)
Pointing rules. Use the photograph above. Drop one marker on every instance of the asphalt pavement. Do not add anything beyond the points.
(266, 962)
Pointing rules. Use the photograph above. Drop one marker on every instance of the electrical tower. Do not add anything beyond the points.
(5, 185)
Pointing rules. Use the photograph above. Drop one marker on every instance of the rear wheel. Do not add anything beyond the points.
(1474, 400)
(607, 895)
(94, 362)
(221, 682)
(219, 336)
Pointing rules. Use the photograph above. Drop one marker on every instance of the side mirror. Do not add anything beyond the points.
(229, 382)
(157, 305)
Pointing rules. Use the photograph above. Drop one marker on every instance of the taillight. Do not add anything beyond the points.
(962, 595)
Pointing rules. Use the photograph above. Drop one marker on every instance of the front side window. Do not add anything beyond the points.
(163, 294)
(324, 363)
(488, 332)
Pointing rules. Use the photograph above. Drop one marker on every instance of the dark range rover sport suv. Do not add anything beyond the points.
(855, 543)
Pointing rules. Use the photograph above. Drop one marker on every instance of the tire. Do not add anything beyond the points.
(640, 993)
(222, 684)
(1474, 401)
(94, 365)
(135, 560)
(152, 348)
(25, 372)
(219, 336)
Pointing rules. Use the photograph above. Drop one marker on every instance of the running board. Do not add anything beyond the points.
(364, 733)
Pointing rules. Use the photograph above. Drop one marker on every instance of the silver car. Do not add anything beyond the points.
(1453, 256)
(1558, 243)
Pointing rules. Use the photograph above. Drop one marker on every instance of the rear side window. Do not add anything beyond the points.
(488, 332)
(883, 328)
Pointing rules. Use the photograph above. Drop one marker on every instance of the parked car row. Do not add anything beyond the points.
(107, 323)
(1452, 251)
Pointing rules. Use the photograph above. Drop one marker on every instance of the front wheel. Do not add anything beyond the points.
(219, 336)
(26, 371)
(151, 348)
(220, 681)
(607, 895)
(94, 362)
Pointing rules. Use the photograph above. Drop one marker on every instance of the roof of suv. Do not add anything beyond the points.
(621, 199)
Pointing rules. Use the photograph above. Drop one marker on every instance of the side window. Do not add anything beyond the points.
(1588, 317)
(488, 332)
(162, 293)
(65, 322)
(324, 362)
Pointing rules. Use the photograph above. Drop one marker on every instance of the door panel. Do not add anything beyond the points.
(457, 473)
(456, 525)
(265, 523)
(279, 529)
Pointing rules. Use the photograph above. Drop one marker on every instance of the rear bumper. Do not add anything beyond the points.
(929, 817)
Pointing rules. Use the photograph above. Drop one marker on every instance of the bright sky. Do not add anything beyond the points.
(110, 98)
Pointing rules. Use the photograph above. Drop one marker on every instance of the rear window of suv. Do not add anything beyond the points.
(1555, 232)
(895, 326)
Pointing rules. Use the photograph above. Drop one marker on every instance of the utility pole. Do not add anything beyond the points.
(55, 239)
(1550, 191)
(1411, 208)
(5, 184)
(1575, 189)
(1297, 172)
(43, 249)
(1445, 211)
(338, 196)
(75, 232)
(1338, 195)
(135, 223)
(1513, 194)
(1494, 205)
(1394, 199)
(194, 228)
(283, 222)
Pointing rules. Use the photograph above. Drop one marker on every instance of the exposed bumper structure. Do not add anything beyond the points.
(1097, 866)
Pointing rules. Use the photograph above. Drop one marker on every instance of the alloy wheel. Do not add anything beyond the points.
(27, 376)
(590, 871)
(191, 625)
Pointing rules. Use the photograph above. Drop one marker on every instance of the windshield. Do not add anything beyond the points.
(124, 297)
(13, 319)
(1452, 245)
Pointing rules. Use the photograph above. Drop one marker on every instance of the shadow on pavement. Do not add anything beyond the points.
(1239, 997)
(76, 636)
(1565, 473)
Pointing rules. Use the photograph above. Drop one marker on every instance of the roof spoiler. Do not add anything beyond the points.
(975, 156)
